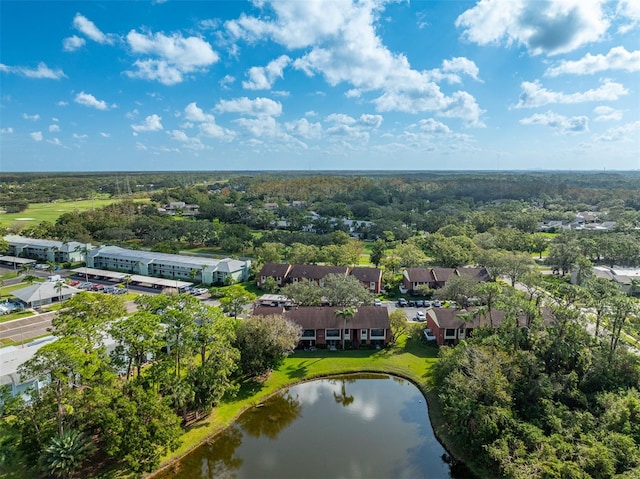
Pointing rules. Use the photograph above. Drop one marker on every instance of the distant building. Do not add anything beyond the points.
(163, 265)
(40, 294)
(179, 208)
(47, 250)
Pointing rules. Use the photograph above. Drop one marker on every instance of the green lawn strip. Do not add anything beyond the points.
(11, 342)
(17, 315)
(409, 358)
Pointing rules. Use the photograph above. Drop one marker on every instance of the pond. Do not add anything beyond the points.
(360, 426)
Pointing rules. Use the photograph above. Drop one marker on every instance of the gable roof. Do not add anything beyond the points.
(443, 274)
(43, 291)
(419, 275)
(367, 275)
(312, 271)
(479, 274)
(449, 318)
(324, 317)
(277, 270)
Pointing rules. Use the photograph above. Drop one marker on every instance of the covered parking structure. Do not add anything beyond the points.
(16, 262)
(135, 279)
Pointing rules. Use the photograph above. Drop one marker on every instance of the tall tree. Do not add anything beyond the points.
(347, 315)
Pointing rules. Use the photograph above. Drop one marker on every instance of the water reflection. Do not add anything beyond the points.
(281, 410)
(343, 427)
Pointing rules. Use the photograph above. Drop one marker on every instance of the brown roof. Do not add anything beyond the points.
(443, 274)
(262, 310)
(367, 275)
(318, 317)
(312, 271)
(274, 269)
(419, 275)
(449, 318)
(479, 274)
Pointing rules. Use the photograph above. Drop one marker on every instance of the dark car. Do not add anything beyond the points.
(402, 302)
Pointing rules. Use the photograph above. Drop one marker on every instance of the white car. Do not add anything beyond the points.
(377, 302)
(420, 316)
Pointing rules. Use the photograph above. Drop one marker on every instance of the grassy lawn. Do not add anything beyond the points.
(17, 315)
(409, 358)
(38, 212)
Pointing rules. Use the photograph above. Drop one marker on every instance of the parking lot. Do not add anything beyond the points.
(410, 311)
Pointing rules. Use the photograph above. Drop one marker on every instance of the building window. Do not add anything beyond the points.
(377, 333)
(332, 334)
(347, 334)
(309, 333)
(363, 334)
(450, 333)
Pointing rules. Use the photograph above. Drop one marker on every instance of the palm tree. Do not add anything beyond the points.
(66, 453)
(127, 281)
(30, 279)
(347, 315)
(60, 285)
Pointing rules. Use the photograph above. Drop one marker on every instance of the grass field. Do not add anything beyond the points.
(38, 212)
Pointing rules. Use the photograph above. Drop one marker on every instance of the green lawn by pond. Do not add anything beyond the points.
(409, 358)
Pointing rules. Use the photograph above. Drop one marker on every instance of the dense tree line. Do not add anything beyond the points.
(174, 359)
(546, 399)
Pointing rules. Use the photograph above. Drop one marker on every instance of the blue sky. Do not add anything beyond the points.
(319, 85)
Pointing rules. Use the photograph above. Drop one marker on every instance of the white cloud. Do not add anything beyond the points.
(6, 131)
(132, 114)
(304, 129)
(55, 141)
(629, 9)
(461, 65)
(105, 135)
(54, 128)
(341, 118)
(371, 121)
(193, 113)
(36, 135)
(213, 130)
(87, 27)
(42, 71)
(62, 103)
(177, 56)
(549, 27)
(35, 117)
(72, 43)
(244, 106)
(87, 99)
(141, 146)
(628, 132)
(606, 113)
(262, 78)
(618, 58)
(188, 142)
(342, 45)
(78, 136)
(430, 125)
(563, 124)
(534, 94)
(151, 123)
(226, 81)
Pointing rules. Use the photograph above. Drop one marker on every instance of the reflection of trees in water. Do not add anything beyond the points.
(278, 412)
(218, 459)
(343, 398)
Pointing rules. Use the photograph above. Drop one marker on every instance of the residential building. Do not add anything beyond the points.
(47, 250)
(413, 278)
(313, 273)
(179, 208)
(40, 294)
(371, 278)
(322, 327)
(277, 271)
(164, 265)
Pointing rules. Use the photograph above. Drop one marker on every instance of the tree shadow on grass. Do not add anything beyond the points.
(248, 387)
(300, 371)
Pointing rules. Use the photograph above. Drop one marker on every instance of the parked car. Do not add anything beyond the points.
(419, 303)
(97, 287)
(427, 303)
(85, 285)
(74, 283)
(429, 335)
(377, 302)
(402, 302)
(119, 291)
(436, 303)
(420, 316)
